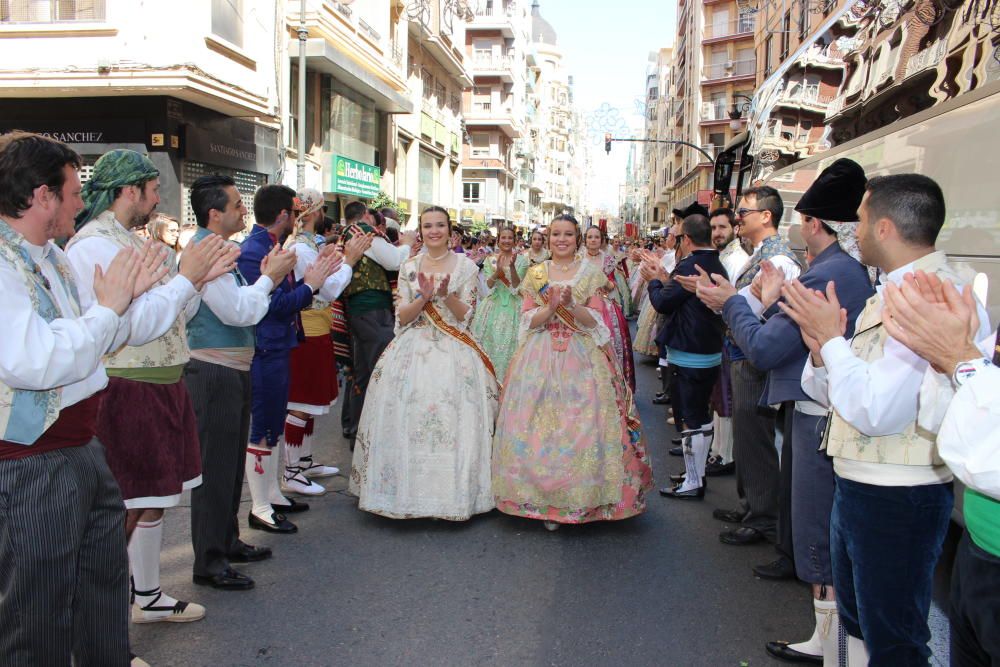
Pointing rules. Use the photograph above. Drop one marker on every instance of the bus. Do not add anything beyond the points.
(897, 86)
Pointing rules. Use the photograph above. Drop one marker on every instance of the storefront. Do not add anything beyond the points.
(183, 140)
(350, 180)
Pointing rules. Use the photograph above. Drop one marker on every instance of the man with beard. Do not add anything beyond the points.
(733, 257)
(146, 420)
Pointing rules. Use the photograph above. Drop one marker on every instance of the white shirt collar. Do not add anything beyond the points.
(37, 252)
(898, 275)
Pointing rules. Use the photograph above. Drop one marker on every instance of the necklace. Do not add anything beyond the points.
(439, 258)
(594, 254)
(564, 267)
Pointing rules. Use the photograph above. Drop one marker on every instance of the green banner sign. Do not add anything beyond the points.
(351, 177)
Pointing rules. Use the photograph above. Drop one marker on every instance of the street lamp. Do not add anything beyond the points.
(736, 113)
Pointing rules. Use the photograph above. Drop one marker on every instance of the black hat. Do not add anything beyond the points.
(691, 210)
(836, 194)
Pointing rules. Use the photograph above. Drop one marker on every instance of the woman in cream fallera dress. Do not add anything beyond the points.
(424, 440)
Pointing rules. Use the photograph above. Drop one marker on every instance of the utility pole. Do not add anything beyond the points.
(300, 163)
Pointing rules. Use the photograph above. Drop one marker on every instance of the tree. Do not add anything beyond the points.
(382, 200)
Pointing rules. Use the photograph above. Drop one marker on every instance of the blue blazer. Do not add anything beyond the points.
(280, 328)
(775, 345)
(689, 325)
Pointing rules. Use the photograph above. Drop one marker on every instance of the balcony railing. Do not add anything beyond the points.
(492, 63)
(497, 11)
(741, 26)
(397, 54)
(364, 25)
(482, 107)
(714, 111)
(730, 68)
(47, 11)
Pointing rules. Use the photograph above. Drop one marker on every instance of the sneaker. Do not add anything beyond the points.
(178, 612)
(310, 469)
(293, 481)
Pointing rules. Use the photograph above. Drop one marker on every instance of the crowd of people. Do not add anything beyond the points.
(477, 373)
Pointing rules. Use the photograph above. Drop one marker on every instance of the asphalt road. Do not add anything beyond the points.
(357, 589)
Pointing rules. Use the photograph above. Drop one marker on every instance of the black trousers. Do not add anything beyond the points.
(371, 333)
(63, 564)
(221, 398)
(975, 607)
(785, 546)
(691, 394)
(758, 477)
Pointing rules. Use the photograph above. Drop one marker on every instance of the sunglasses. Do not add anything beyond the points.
(743, 211)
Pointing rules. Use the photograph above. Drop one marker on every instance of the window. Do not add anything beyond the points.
(480, 145)
(227, 20)
(803, 20)
(786, 29)
(427, 188)
(472, 192)
(767, 56)
(428, 84)
(47, 11)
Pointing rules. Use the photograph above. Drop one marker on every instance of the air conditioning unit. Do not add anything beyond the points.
(706, 110)
(729, 64)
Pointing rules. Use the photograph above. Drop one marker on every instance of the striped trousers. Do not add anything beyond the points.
(63, 564)
(758, 476)
(221, 399)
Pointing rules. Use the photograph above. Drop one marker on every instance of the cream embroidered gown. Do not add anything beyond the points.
(424, 441)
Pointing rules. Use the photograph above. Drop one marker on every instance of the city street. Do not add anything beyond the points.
(356, 589)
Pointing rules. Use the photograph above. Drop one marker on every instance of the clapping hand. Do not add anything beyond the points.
(767, 284)
(442, 290)
(152, 267)
(426, 285)
(317, 272)
(277, 263)
(713, 290)
(224, 262)
(933, 319)
(819, 316)
(355, 249)
(199, 258)
(115, 287)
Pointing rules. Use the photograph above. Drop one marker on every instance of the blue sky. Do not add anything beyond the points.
(607, 45)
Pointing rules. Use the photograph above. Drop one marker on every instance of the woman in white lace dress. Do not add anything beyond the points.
(424, 441)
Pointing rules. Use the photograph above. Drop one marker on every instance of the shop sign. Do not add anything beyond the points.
(467, 213)
(453, 214)
(219, 149)
(105, 131)
(351, 177)
(404, 205)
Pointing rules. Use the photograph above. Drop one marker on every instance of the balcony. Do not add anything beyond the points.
(798, 96)
(487, 114)
(53, 12)
(731, 69)
(712, 112)
(501, 66)
(741, 27)
(498, 17)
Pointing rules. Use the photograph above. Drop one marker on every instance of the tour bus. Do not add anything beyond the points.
(898, 86)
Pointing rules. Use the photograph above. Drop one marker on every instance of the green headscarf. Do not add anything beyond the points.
(115, 169)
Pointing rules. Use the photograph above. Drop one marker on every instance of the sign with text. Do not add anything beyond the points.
(351, 177)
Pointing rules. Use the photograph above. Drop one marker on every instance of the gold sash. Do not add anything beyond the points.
(435, 318)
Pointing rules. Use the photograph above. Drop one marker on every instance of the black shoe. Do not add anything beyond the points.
(676, 441)
(227, 580)
(294, 508)
(715, 469)
(661, 399)
(247, 553)
(693, 494)
(678, 478)
(741, 536)
(676, 451)
(280, 525)
(781, 651)
(729, 516)
(782, 568)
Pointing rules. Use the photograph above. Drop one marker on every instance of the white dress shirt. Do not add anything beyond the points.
(235, 305)
(386, 255)
(669, 261)
(335, 284)
(149, 316)
(876, 398)
(733, 258)
(783, 263)
(968, 424)
(66, 352)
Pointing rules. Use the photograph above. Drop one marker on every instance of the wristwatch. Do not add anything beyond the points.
(966, 369)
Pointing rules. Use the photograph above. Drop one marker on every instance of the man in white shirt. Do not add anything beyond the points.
(933, 320)
(220, 335)
(153, 452)
(63, 563)
(893, 497)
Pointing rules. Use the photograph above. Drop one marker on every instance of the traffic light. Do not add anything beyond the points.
(607, 143)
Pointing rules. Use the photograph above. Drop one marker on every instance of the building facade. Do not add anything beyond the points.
(496, 41)
(195, 85)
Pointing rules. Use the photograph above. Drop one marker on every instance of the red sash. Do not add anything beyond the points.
(435, 318)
